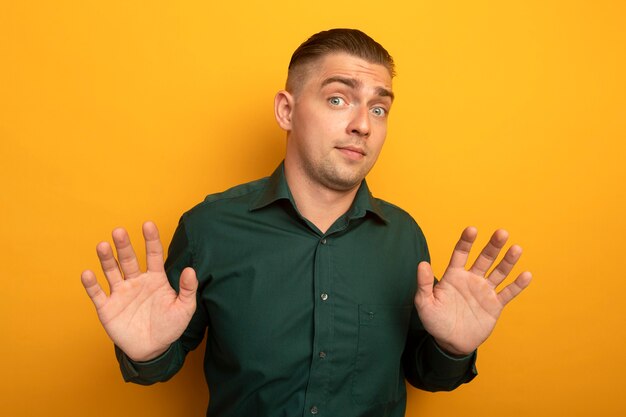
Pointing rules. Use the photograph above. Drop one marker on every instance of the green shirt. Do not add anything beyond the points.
(300, 322)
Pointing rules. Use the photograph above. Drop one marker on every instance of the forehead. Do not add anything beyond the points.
(347, 66)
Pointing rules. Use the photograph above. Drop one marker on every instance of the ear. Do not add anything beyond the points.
(283, 108)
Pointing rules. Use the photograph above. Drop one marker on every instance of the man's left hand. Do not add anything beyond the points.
(461, 311)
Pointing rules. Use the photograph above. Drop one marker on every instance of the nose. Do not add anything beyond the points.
(360, 122)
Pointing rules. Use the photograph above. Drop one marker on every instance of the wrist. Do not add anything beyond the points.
(147, 357)
(450, 350)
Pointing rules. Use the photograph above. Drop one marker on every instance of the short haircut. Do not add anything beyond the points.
(350, 41)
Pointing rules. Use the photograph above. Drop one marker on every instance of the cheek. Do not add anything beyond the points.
(307, 120)
(320, 125)
(323, 128)
(376, 146)
(377, 140)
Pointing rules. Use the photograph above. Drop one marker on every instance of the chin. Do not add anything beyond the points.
(343, 183)
(339, 178)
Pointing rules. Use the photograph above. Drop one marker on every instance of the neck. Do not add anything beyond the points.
(320, 205)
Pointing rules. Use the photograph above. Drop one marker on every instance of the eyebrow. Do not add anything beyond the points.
(353, 83)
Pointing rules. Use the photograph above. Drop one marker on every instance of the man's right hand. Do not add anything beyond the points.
(143, 315)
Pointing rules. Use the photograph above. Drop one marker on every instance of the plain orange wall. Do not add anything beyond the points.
(508, 114)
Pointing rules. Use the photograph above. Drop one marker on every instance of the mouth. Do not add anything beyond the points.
(352, 152)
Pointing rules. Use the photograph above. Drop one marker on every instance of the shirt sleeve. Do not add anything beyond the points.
(428, 367)
(162, 368)
(159, 369)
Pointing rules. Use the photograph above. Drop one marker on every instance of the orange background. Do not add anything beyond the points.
(508, 114)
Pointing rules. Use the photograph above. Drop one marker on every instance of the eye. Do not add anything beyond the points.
(379, 111)
(336, 101)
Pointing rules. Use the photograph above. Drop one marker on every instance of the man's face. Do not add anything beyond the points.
(338, 121)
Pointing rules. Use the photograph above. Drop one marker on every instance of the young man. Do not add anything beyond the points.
(305, 283)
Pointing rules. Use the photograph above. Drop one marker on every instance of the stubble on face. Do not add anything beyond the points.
(332, 175)
(330, 153)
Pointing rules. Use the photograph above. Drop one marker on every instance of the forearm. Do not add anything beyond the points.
(428, 367)
(159, 369)
(166, 365)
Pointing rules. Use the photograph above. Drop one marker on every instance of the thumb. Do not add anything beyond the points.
(425, 280)
(188, 286)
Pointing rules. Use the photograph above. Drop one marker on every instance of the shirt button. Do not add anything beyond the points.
(314, 410)
(324, 296)
(324, 241)
(322, 355)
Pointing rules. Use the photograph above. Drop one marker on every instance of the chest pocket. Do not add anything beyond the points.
(378, 376)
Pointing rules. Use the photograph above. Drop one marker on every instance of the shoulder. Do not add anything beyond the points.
(395, 214)
(402, 225)
(237, 198)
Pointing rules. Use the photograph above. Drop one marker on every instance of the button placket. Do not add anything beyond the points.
(317, 389)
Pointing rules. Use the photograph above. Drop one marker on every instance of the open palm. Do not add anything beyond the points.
(143, 315)
(461, 311)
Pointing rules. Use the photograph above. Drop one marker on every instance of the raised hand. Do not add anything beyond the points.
(461, 311)
(143, 315)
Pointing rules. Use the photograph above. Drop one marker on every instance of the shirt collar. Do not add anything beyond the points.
(364, 202)
(277, 189)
